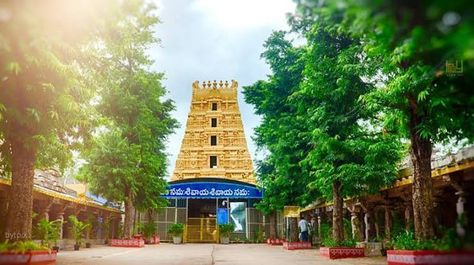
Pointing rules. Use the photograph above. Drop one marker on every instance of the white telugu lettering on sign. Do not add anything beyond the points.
(207, 192)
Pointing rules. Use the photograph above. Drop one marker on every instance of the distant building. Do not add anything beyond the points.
(52, 200)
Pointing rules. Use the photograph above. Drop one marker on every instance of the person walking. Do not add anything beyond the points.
(303, 226)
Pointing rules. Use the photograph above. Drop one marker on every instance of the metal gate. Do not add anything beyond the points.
(201, 230)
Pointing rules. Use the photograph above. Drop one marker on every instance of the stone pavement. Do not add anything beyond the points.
(203, 254)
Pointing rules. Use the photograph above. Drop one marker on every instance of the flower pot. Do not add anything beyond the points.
(76, 247)
(33, 257)
(176, 240)
(341, 252)
(296, 245)
(434, 257)
(106, 242)
(88, 245)
(225, 240)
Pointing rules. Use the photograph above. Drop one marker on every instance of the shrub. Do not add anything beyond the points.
(77, 228)
(48, 231)
(21, 247)
(226, 229)
(149, 229)
(406, 241)
(176, 229)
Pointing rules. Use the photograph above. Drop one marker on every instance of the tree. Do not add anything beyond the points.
(279, 173)
(410, 46)
(128, 163)
(350, 155)
(314, 124)
(42, 98)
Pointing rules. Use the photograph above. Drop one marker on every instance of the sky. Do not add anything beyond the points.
(214, 40)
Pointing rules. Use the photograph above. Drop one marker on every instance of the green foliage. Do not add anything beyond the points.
(77, 229)
(328, 241)
(280, 131)
(318, 131)
(326, 235)
(393, 57)
(126, 159)
(226, 229)
(449, 241)
(89, 226)
(21, 247)
(42, 96)
(149, 229)
(176, 229)
(347, 229)
(258, 238)
(48, 231)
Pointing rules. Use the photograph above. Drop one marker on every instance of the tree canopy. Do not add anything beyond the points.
(368, 74)
(322, 141)
(42, 97)
(127, 162)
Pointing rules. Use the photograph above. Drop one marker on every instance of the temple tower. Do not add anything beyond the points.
(214, 144)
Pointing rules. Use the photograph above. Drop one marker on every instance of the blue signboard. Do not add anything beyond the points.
(211, 190)
(222, 216)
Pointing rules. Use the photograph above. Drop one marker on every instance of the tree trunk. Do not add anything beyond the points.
(337, 222)
(129, 210)
(293, 229)
(356, 225)
(422, 183)
(20, 199)
(273, 226)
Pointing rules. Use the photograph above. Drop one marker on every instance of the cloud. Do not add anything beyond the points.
(214, 40)
(243, 14)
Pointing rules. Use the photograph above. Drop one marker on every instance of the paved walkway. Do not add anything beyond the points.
(203, 254)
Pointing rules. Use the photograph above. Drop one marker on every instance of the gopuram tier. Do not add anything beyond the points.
(214, 144)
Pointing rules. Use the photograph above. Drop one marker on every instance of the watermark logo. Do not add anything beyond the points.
(15, 236)
(454, 67)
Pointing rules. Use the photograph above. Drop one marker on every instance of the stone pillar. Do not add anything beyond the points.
(355, 223)
(367, 225)
(376, 222)
(408, 215)
(388, 222)
(461, 231)
(115, 226)
(368, 221)
(319, 226)
(60, 217)
(293, 227)
(45, 210)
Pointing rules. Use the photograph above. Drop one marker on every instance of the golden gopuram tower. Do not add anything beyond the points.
(214, 144)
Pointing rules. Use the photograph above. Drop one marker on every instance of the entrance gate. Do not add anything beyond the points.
(201, 230)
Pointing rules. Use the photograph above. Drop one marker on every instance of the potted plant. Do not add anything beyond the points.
(88, 229)
(48, 233)
(224, 231)
(56, 234)
(149, 230)
(77, 230)
(25, 252)
(176, 230)
(333, 250)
